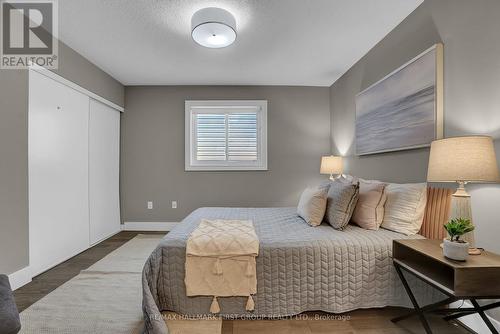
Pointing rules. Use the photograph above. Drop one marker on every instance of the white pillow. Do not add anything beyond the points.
(405, 207)
(312, 205)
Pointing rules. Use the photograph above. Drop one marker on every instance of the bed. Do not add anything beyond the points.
(299, 268)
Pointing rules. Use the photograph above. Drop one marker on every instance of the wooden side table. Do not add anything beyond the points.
(477, 278)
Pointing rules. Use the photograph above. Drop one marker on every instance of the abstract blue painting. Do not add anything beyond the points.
(399, 111)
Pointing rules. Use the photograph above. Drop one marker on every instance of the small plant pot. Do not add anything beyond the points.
(458, 251)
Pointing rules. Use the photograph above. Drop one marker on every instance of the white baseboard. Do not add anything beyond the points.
(19, 278)
(474, 321)
(148, 226)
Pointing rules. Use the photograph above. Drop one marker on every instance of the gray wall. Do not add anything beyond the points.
(13, 170)
(469, 32)
(78, 69)
(152, 151)
(14, 246)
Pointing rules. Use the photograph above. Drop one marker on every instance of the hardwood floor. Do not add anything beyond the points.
(356, 322)
(359, 322)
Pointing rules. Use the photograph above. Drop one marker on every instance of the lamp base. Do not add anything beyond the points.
(333, 178)
(461, 208)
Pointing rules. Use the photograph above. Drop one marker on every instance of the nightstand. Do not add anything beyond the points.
(477, 278)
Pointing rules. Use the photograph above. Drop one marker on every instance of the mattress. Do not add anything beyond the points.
(299, 268)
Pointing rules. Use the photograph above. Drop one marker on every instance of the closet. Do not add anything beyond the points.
(73, 160)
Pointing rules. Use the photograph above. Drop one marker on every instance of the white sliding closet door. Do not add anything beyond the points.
(58, 172)
(104, 166)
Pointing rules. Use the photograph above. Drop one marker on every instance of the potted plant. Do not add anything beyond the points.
(455, 248)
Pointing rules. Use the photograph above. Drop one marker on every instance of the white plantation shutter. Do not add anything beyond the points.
(210, 137)
(226, 135)
(242, 132)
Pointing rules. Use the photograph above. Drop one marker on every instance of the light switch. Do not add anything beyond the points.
(174, 204)
(150, 205)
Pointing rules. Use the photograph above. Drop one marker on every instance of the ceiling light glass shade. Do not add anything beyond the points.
(213, 27)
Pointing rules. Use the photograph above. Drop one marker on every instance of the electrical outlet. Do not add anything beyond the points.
(150, 205)
(174, 204)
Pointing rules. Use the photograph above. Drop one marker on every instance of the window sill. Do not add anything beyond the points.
(224, 168)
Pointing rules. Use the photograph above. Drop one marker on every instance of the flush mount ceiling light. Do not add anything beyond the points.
(213, 27)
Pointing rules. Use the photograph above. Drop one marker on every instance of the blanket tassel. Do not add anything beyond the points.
(217, 267)
(215, 308)
(250, 304)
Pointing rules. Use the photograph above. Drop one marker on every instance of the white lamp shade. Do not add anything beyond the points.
(468, 159)
(331, 165)
(213, 27)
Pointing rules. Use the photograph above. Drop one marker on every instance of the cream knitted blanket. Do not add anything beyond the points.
(220, 261)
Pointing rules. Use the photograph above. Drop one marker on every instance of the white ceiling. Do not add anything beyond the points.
(280, 42)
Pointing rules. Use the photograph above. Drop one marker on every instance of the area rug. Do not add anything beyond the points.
(105, 298)
(128, 258)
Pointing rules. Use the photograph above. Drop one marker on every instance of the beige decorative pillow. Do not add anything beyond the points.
(405, 207)
(369, 211)
(341, 201)
(312, 205)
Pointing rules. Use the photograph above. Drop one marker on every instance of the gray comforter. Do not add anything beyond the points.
(299, 268)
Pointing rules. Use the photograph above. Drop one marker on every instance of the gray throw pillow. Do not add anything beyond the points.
(9, 317)
(341, 201)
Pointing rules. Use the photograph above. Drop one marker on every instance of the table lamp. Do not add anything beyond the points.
(463, 160)
(331, 165)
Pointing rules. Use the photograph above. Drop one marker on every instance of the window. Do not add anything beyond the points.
(226, 135)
